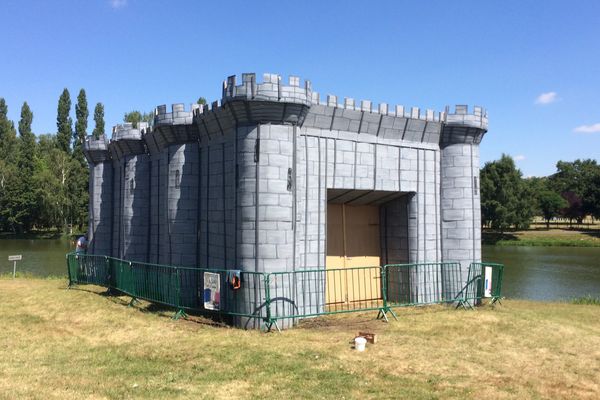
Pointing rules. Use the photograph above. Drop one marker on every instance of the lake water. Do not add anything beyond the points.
(537, 273)
(547, 273)
(41, 257)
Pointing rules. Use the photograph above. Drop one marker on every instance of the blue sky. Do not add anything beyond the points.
(534, 65)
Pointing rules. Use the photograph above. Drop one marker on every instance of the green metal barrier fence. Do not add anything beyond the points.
(279, 299)
(484, 280)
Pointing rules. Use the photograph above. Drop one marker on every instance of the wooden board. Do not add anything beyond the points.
(352, 241)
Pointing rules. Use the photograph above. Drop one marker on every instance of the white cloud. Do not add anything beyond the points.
(118, 3)
(546, 98)
(519, 157)
(588, 128)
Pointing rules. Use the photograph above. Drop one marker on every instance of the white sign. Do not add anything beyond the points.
(18, 257)
(212, 291)
(488, 282)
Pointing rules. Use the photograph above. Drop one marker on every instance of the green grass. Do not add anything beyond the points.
(586, 300)
(57, 343)
(543, 237)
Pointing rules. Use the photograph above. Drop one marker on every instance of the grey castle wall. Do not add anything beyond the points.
(100, 190)
(131, 194)
(244, 184)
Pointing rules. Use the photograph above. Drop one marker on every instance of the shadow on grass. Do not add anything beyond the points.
(146, 307)
(592, 233)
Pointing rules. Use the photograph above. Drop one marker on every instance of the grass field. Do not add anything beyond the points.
(60, 344)
(544, 237)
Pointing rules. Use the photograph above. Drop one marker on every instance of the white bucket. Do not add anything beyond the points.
(360, 343)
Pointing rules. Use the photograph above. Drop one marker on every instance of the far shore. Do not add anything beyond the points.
(535, 236)
(570, 237)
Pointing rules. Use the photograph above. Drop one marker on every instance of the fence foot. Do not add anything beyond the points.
(269, 325)
(495, 300)
(465, 305)
(383, 314)
(179, 314)
(133, 302)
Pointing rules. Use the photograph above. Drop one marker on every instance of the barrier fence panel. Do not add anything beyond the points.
(239, 294)
(483, 280)
(91, 269)
(425, 283)
(308, 293)
(280, 298)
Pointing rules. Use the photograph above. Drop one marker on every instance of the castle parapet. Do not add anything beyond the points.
(96, 149)
(173, 127)
(269, 101)
(177, 116)
(127, 139)
(464, 127)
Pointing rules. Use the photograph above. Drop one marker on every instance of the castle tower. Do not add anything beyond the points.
(460, 194)
(130, 193)
(100, 203)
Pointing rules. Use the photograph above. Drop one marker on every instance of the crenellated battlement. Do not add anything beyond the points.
(127, 139)
(368, 106)
(127, 131)
(461, 117)
(96, 150)
(247, 102)
(271, 89)
(464, 127)
(177, 116)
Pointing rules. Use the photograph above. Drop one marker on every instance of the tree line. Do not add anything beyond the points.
(510, 201)
(44, 179)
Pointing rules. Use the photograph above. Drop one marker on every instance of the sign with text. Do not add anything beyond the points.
(17, 257)
(488, 282)
(212, 290)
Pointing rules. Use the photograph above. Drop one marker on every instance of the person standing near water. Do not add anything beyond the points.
(81, 245)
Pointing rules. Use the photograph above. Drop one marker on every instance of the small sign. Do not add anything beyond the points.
(488, 282)
(212, 291)
(17, 257)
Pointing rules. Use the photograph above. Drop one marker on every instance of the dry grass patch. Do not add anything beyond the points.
(58, 343)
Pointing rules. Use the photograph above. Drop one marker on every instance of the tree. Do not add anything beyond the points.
(64, 122)
(201, 100)
(550, 204)
(8, 169)
(577, 182)
(81, 115)
(506, 201)
(135, 117)
(8, 134)
(99, 120)
(25, 207)
(78, 177)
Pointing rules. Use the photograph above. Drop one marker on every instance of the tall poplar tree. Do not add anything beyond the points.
(78, 180)
(8, 170)
(99, 120)
(64, 135)
(64, 122)
(25, 210)
(81, 121)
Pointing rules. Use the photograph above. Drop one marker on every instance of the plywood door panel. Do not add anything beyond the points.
(363, 250)
(352, 241)
(336, 280)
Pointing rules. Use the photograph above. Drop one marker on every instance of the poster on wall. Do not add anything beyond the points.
(212, 290)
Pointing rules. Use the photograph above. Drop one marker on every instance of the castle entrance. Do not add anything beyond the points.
(352, 244)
